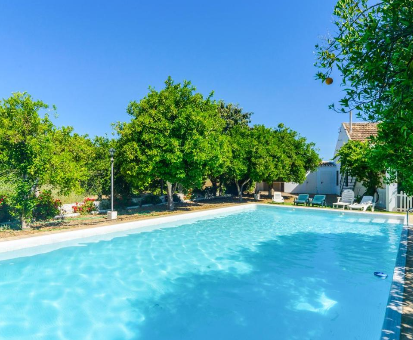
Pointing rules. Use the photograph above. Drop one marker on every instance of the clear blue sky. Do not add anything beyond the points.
(91, 58)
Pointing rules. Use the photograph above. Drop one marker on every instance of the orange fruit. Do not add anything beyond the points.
(329, 81)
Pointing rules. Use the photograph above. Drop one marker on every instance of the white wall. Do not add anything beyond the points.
(308, 187)
(343, 138)
(359, 189)
(321, 181)
(290, 187)
(391, 197)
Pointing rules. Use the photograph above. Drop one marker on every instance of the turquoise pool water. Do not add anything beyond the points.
(263, 273)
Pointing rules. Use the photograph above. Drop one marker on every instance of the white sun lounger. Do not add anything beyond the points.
(366, 202)
(277, 198)
(345, 200)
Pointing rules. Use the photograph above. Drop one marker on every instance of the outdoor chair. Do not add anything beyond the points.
(347, 198)
(366, 202)
(277, 198)
(301, 199)
(318, 200)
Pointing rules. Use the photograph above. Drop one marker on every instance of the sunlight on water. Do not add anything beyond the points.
(264, 273)
(322, 304)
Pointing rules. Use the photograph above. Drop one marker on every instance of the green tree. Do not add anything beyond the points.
(266, 154)
(98, 166)
(71, 158)
(233, 116)
(373, 51)
(174, 135)
(298, 156)
(33, 152)
(358, 159)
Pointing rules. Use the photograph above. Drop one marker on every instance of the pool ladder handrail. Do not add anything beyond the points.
(407, 219)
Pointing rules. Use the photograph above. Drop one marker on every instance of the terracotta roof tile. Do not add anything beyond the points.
(361, 131)
(327, 163)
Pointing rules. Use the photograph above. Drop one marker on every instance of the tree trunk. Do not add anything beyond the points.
(219, 190)
(270, 189)
(256, 193)
(170, 196)
(214, 187)
(239, 188)
(23, 222)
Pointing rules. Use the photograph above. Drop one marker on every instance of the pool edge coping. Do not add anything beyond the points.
(392, 323)
(68, 235)
(32, 241)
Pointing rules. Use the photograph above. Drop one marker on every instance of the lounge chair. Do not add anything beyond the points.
(366, 202)
(301, 199)
(318, 200)
(277, 198)
(347, 198)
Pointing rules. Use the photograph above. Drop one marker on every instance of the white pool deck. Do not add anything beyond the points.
(69, 235)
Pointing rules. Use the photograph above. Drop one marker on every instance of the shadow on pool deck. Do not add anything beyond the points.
(407, 318)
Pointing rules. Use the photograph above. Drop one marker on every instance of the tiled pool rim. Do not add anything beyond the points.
(391, 329)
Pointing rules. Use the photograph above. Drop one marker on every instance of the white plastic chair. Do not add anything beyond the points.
(345, 200)
(366, 202)
(277, 198)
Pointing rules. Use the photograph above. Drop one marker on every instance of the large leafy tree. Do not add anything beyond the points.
(358, 160)
(265, 154)
(174, 135)
(33, 152)
(373, 51)
(98, 166)
(71, 158)
(233, 115)
(299, 155)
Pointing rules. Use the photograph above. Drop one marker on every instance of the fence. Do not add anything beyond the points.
(403, 202)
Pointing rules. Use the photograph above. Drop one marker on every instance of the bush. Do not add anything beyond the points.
(46, 207)
(5, 209)
(87, 207)
(121, 202)
(151, 199)
(104, 205)
(200, 193)
(176, 198)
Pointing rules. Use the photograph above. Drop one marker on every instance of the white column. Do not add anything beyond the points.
(391, 192)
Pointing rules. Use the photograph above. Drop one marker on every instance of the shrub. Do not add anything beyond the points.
(87, 207)
(176, 198)
(104, 205)
(151, 199)
(201, 193)
(188, 194)
(121, 202)
(46, 207)
(5, 209)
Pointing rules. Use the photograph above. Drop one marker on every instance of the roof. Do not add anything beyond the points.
(361, 131)
(327, 163)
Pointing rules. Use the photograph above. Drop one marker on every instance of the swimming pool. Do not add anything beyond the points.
(259, 272)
